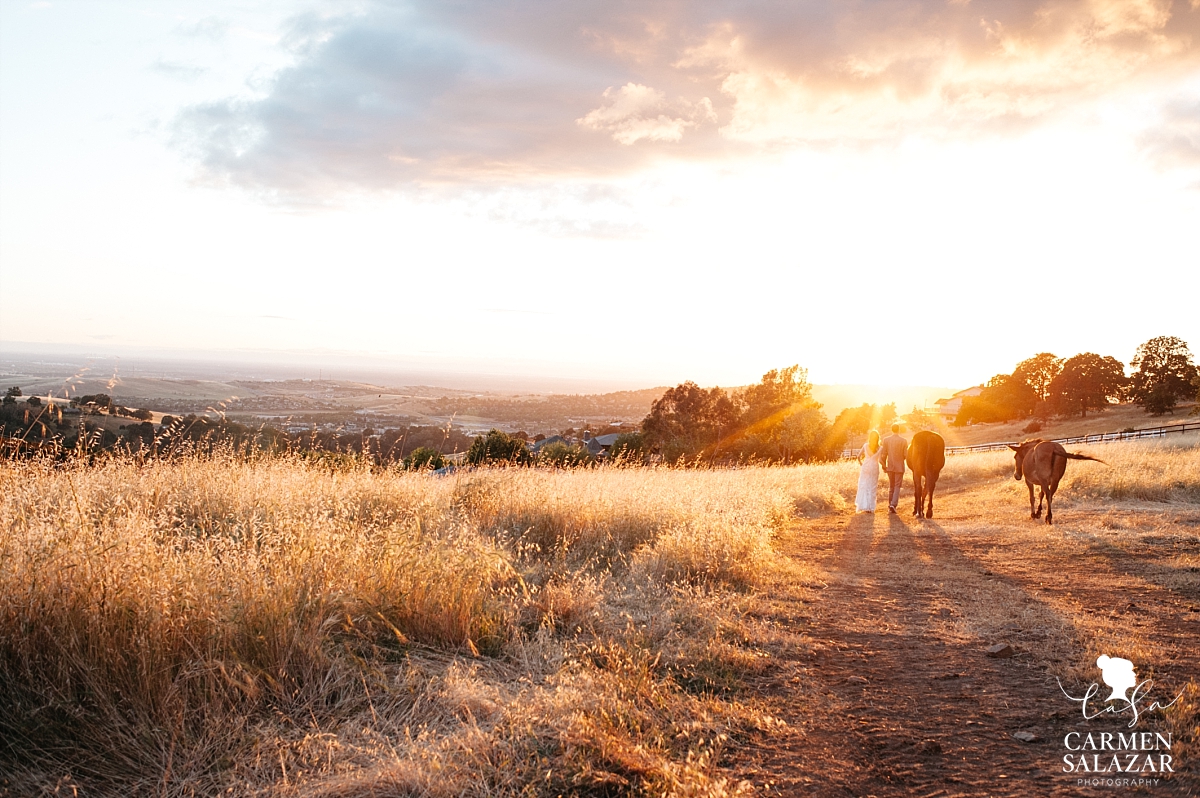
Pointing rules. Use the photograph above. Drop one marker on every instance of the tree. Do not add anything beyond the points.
(564, 454)
(497, 447)
(779, 390)
(1088, 381)
(780, 421)
(688, 419)
(920, 419)
(1160, 400)
(424, 457)
(858, 420)
(1004, 398)
(99, 400)
(628, 447)
(1038, 372)
(34, 401)
(804, 435)
(1163, 373)
(10, 396)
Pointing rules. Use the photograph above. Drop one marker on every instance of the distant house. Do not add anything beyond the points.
(603, 443)
(948, 408)
(544, 442)
(597, 445)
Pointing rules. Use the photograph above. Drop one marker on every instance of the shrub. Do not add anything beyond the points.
(629, 447)
(1159, 400)
(424, 458)
(498, 447)
(564, 455)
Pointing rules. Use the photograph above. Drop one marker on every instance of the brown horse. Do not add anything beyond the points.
(926, 457)
(1043, 463)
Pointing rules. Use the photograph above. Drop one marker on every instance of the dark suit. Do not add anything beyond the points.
(892, 461)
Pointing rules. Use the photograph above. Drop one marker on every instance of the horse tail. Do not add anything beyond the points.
(1070, 456)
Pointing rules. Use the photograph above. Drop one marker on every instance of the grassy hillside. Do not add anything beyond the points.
(1112, 419)
(205, 624)
(222, 625)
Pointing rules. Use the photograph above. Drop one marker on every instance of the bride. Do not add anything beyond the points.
(868, 475)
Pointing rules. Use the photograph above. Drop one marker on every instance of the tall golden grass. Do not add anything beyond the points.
(239, 625)
(207, 623)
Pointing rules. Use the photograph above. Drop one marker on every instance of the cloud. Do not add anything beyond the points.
(177, 71)
(635, 112)
(379, 100)
(1175, 141)
(394, 96)
(212, 28)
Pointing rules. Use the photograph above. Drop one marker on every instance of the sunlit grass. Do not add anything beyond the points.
(215, 623)
(207, 623)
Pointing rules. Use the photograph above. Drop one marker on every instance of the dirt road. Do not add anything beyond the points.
(886, 684)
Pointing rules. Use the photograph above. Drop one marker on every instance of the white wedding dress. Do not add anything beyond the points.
(868, 480)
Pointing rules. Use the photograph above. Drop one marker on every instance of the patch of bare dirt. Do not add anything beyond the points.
(887, 686)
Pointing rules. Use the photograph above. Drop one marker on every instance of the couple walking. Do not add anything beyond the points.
(888, 453)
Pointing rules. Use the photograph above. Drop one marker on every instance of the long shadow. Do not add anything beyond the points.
(856, 542)
(1167, 613)
(934, 712)
(1124, 562)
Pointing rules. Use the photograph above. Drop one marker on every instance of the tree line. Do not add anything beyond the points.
(777, 420)
(1045, 385)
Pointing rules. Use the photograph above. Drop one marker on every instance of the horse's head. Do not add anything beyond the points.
(1021, 451)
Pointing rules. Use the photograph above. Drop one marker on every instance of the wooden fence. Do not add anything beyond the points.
(1101, 437)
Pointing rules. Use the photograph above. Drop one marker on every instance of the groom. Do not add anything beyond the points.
(894, 446)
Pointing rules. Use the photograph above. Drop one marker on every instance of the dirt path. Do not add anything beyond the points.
(887, 688)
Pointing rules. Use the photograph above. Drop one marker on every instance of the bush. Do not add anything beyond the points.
(629, 447)
(1032, 426)
(424, 457)
(100, 400)
(498, 447)
(564, 455)
(1159, 400)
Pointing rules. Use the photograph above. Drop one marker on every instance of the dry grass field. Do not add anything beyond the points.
(236, 626)
(1113, 418)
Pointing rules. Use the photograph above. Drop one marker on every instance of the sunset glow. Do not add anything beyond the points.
(907, 193)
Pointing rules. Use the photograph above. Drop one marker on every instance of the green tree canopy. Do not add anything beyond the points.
(1088, 381)
(1004, 398)
(687, 419)
(497, 447)
(424, 457)
(777, 392)
(629, 447)
(858, 420)
(1163, 373)
(564, 454)
(1038, 372)
(801, 433)
(775, 419)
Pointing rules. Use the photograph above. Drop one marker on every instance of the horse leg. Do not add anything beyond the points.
(930, 484)
(918, 489)
(1032, 514)
(1049, 505)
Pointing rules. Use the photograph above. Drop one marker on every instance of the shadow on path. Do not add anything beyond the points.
(906, 706)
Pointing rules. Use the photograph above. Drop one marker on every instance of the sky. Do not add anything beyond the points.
(914, 192)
